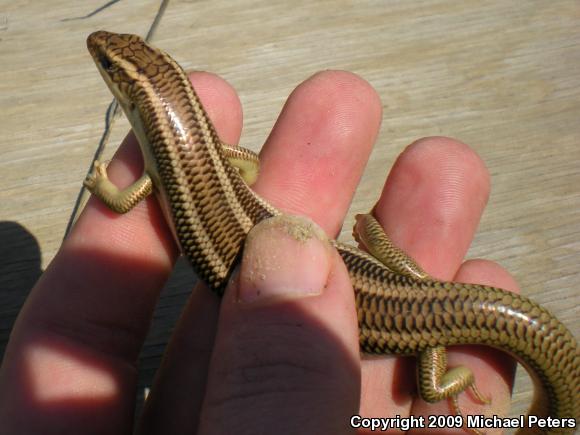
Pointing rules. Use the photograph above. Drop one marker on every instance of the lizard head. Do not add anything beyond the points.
(127, 63)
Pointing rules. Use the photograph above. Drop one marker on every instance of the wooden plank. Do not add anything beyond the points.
(502, 76)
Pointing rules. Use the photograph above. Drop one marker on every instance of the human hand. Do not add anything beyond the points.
(272, 364)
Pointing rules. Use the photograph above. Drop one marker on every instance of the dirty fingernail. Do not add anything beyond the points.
(284, 257)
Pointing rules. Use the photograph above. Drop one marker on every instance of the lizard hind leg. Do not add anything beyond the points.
(437, 383)
(370, 234)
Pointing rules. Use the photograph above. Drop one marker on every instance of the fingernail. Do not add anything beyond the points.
(284, 257)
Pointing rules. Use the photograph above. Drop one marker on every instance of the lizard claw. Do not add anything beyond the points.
(98, 174)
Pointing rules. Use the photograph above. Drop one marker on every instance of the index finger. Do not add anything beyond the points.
(70, 366)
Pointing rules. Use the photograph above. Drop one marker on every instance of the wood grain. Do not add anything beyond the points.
(502, 76)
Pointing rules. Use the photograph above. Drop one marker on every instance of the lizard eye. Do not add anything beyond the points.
(106, 63)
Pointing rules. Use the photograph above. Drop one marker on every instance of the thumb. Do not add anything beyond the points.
(286, 356)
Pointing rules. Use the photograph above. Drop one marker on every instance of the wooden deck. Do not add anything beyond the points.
(502, 76)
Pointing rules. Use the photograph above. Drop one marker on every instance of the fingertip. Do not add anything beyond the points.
(343, 91)
(284, 257)
(432, 202)
(317, 151)
(349, 105)
(437, 149)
